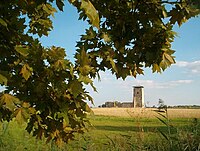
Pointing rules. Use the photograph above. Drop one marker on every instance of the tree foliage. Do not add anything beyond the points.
(45, 89)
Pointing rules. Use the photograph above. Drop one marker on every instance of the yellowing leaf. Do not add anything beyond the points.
(2, 22)
(164, 13)
(23, 50)
(3, 80)
(140, 71)
(164, 64)
(21, 115)
(72, 1)
(49, 9)
(88, 109)
(91, 12)
(106, 37)
(112, 63)
(67, 129)
(25, 105)
(26, 71)
(9, 101)
(156, 68)
(169, 58)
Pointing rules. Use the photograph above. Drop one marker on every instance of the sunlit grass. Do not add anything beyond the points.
(106, 133)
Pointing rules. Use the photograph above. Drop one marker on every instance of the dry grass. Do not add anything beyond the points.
(146, 112)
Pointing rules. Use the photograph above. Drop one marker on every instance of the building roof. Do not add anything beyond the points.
(138, 86)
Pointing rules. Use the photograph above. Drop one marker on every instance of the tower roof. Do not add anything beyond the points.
(138, 86)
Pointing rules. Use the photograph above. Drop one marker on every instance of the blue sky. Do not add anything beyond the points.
(178, 85)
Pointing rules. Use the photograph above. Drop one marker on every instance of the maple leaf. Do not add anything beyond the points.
(21, 115)
(91, 12)
(60, 4)
(75, 87)
(85, 79)
(9, 101)
(23, 50)
(156, 68)
(26, 71)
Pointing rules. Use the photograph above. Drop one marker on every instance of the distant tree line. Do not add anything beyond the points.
(185, 106)
(179, 106)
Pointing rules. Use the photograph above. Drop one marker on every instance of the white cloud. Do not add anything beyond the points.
(193, 67)
(159, 85)
(108, 80)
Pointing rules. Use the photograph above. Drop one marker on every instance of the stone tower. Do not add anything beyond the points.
(138, 96)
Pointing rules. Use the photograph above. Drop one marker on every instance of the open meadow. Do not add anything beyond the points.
(118, 129)
(146, 112)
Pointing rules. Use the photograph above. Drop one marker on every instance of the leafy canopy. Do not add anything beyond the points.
(46, 90)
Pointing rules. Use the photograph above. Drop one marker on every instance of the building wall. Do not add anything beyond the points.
(127, 104)
(118, 104)
(138, 96)
(109, 104)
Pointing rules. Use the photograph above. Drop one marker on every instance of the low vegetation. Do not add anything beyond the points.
(120, 133)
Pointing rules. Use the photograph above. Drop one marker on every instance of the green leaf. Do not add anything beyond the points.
(61, 65)
(94, 88)
(56, 53)
(88, 109)
(26, 71)
(85, 79)
(60, 4)
(46, 23)
(88, 97)
(46, 9)
(49, 9)
(3, 80)
(85, 70)
(90, 34)
(83, 59)
(23, 50)
(112, 63)
(75, 87)
(9, 101)
(91, 12)
(2, 22)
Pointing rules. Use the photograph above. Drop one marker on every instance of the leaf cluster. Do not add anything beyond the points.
(133, 34)
(43, 88)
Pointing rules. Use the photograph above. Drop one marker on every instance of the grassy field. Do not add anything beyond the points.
(118, 129)
(146, 112)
